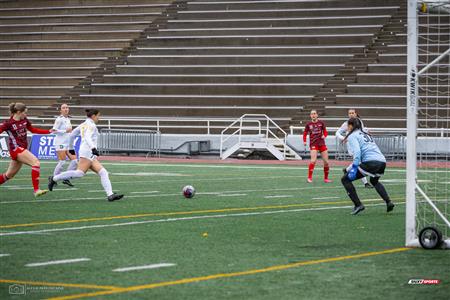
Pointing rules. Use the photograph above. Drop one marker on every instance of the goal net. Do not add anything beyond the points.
(428, 118)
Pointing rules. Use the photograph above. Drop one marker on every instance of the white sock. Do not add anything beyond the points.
(69, 175)
(364, 180)
(106, 183)
(59, 167)
(73, 165)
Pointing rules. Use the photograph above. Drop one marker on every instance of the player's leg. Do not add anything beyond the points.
(366, 183)
(326, 166)
(351, 192)
(73, 161)
(29, 159)
(312, 164)
(61, 154)
(382, 192)
(13, 169)
(106, 183)
(83, 166)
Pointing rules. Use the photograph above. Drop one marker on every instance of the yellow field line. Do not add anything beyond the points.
(176, 213)
(73, 285)
(227, 275)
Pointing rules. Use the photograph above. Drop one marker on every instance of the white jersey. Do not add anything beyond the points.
(62, 137)
(341, 133)
(89, 137)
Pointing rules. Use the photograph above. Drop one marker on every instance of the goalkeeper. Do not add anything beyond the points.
(367, 161)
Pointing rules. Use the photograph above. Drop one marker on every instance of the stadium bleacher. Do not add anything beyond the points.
(207, 59)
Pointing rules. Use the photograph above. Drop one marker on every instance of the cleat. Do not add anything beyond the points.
(389, 206)
(51, 183)
(344, 170)
(368, 186)
(67, 182)
(327, 180)
(309, 180)
(39, 193)
(114, 197)
(357, 209)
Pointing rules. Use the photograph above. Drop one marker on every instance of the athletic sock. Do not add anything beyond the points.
(311, 170)
(351, 191)
(59, 167)
(35, 173)
(364, 180)
(326, 171)
(382, 192)
(73, 165)
(106, 183)
(68, 175)
(3, 179)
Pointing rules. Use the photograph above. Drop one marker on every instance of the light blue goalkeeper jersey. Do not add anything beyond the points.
(363, 148)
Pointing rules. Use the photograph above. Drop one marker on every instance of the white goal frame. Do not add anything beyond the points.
(413, 74)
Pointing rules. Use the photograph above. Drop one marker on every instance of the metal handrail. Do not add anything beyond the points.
(442, 131)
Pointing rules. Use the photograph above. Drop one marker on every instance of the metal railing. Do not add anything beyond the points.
(263, 129)
(442, 132)
(393, 146)
(130, 140)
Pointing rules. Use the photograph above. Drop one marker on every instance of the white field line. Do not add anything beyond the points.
(16, 233)
(177, 194)
(147, 192)
(324, 198)
(154, 266)
(230, 195)
(278, 196)
(57, 262)
(4, 254)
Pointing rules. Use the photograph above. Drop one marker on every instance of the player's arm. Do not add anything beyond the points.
(353, 147)
(342, 131)
(324, 131)
(3, 127)
(37, 130)
(72, 137)
(305, 134)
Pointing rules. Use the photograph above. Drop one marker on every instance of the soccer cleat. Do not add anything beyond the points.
(389, 206)
(327, 180)
(358, 209)
(309, 180)
(39, 193)
(51, 183)
(114, 197)
(368, 186)
(67, 182)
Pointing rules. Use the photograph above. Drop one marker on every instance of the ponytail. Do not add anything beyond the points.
(17, 107)
(356, 124)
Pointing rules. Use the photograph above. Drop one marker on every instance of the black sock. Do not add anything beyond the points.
(351, 191)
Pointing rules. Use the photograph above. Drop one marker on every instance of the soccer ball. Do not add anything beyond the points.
(188, 191)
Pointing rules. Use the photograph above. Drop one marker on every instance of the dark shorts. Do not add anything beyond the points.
(372, 168)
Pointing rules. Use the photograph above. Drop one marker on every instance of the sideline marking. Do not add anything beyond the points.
(6, 226)
(228, 275)
(270, 212)
(4, 254)
(154, 266)
(57, 262)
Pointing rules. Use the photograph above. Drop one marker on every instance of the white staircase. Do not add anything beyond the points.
(256, 131)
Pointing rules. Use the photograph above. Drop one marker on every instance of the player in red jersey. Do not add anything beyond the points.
(17, 127)
(317, 133)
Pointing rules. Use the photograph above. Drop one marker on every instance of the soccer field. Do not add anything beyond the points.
(250, 232)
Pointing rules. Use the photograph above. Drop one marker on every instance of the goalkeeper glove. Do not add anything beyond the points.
(95, 152)
(352, 173)
(72, 151)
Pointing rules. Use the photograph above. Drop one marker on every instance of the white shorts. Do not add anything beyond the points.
(87, 153)
(62, 147)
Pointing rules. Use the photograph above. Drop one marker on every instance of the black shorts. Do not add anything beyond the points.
(372, 168)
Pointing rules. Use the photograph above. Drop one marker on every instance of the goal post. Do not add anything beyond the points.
(428, 120)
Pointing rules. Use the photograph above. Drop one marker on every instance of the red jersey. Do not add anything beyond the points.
(17, 132)
(315, 130)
